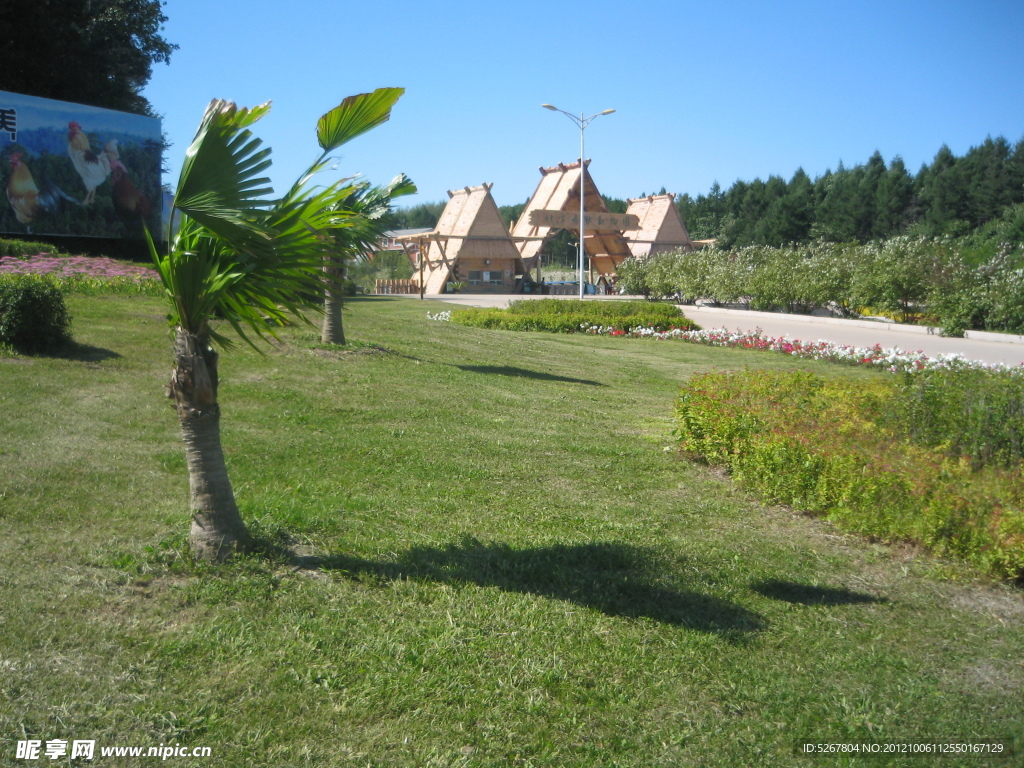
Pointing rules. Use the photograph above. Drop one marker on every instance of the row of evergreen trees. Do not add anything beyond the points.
(951, 196)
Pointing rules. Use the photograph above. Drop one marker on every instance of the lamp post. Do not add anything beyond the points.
(582, 122)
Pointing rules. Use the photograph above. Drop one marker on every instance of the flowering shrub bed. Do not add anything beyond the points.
(889, 358)
(832, 447)
(85, 273)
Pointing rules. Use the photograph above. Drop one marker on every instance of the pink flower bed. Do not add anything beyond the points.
(69, 266)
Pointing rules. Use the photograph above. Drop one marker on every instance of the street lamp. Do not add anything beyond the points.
(582, 122)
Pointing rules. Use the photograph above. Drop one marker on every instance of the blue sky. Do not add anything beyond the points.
(702, 91)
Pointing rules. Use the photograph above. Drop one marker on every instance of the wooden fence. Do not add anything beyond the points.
(396, 286)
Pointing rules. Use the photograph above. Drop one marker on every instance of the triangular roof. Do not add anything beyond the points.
(661, 227)
(559, 190)
(470, 227)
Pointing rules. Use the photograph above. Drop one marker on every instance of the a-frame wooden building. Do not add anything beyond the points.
(559, 190)
(470, 245)
(661, 227)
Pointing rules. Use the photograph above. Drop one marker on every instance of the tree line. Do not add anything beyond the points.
(96, 52)
(952, 195)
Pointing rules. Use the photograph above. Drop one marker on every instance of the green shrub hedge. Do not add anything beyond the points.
(572, 316)
(911, 279)
(839, 448)
(975, 414)
(33, 316)
(11, 247)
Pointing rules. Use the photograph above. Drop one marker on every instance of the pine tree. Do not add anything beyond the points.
(835, 220)
(987, 173)
(1015, 168)
(892, 200)
(941, 193)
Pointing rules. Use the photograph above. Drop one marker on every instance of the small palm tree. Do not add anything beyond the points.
(248, 261)
(363, 231)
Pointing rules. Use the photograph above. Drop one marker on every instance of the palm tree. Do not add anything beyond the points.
(363, 231)
(249, 261)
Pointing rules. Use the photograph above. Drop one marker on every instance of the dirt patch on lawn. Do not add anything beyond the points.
(1002, 603)
(995, 676)
(342, 353)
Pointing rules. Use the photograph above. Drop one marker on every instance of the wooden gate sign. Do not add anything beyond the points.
(593, 222)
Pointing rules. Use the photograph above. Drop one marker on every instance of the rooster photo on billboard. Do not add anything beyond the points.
(75, 170)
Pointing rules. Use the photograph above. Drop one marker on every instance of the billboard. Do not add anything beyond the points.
(70, 169)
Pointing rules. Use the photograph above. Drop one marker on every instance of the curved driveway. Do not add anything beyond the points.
(986, 347)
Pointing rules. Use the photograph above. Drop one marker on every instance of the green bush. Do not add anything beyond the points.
(33, 315)
(652, 277)
(833, 447)
(974, 414)
(908, 278)
(593, 308)
(10, 247)
(989, 296)
(894, 275)
(569, 316)
(635, 278)
(1002, 292)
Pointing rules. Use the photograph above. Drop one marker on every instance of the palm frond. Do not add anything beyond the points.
(221, 182)
(376, 202)
(355, 116)
(368, 205)
(241, 257)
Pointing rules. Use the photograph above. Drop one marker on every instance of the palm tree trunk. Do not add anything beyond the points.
(332, 331)
(217, 527)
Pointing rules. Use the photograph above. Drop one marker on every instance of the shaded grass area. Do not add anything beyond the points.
(611, 577)
(478, 553)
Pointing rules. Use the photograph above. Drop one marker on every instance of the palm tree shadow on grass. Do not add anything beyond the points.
(807, 594)
(526, 373)
(507, 370)
(614, 578)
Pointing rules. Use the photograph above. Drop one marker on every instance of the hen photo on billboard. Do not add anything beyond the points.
(80, 171)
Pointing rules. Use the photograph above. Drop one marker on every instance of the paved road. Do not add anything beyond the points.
(860, 333)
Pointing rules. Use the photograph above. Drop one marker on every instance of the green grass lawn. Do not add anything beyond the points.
(500, 560)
